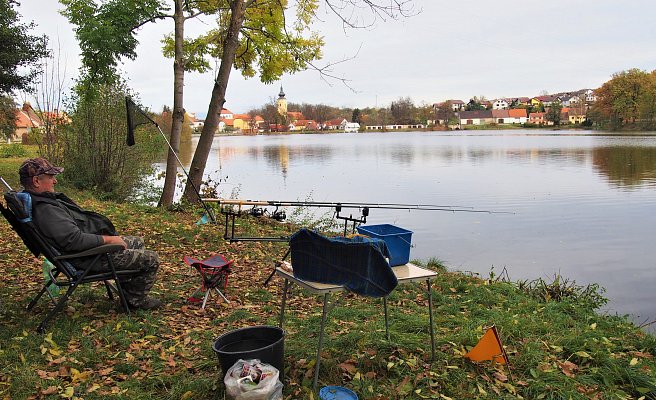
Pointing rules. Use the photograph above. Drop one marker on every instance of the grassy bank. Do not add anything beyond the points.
(557, 349)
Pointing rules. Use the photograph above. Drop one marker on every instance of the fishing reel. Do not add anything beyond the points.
(256, 211)
(279, 215)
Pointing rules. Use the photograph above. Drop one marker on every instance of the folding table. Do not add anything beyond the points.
(404, 273)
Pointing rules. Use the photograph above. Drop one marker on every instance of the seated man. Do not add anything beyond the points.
(71, 229)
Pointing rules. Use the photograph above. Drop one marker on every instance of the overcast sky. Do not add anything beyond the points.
(449, 50)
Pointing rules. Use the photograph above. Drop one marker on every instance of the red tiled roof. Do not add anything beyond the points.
(517, 113)
(335, 122)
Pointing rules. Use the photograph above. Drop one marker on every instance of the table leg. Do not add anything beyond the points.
(430, 318)
(282, 305)
(386, 320)
(326, 297)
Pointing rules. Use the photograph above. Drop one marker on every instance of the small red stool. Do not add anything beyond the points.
(214, 272)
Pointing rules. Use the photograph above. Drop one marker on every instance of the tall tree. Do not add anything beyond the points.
(20, 52)
(267, 42)
(356, 116)
(403, 111)
(647, 106)
(553, 113)
(119, 20)
(7, 117)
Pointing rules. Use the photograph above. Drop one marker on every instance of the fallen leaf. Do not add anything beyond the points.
(568, 368)
(500, 376)
(348, 367)
(49, 390)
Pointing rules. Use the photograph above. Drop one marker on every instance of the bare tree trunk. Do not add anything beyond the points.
(178, 111)
(217, 101)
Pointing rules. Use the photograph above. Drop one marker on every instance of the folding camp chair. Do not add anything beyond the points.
(214, 273)
(66, 272)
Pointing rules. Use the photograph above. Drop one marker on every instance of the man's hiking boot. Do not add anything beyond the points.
(149, 303)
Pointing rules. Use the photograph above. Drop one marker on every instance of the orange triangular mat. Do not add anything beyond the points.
(488, 348)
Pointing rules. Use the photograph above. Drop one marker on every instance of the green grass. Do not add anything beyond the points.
(557, 349)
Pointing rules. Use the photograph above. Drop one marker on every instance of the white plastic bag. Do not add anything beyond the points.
(253, 380)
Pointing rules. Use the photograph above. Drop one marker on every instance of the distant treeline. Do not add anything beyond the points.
(402, 111)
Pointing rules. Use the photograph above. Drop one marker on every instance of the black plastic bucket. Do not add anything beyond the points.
(265, 343)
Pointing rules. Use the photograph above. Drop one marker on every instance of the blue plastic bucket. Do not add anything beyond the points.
(337, 393)
(397, 240)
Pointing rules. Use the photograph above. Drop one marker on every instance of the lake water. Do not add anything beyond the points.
(581, 205)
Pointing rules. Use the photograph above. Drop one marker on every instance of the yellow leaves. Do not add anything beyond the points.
(93, 388)
(481, 390)
(68, 392)
(50, 347)
(634, 361)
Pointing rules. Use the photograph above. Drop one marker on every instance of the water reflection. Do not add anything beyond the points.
(623, 166)
(626, 166)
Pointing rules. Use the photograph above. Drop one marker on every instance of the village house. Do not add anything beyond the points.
(500, 116)
(500, 104)
(304, 125)
(544, 100)
(455, 105)
(479, 117)
(575, 117)
(537, 118)
(517, 116)
(512, 116)
(26, 121)
(334, 124)
(195, 123)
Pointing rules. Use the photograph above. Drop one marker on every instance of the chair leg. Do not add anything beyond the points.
(38, 296)
(222, 295)
(117, 281)
(109, 288)
(58, 307)
(207, 296)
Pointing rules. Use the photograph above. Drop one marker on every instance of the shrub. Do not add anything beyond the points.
(95, 154)
(13, 150)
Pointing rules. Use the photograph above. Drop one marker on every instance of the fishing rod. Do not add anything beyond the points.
(4, 182)
(233, 208)
(328, 204)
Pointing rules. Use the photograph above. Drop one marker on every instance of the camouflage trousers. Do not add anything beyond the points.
(135, 257)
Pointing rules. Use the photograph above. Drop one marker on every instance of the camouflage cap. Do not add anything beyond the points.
(37, 166)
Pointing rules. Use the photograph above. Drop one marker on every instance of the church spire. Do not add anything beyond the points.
(281, 94)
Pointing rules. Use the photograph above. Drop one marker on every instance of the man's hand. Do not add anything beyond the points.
(114, 240)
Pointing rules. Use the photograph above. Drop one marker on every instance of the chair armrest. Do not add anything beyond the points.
(105, 248)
